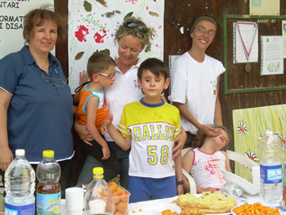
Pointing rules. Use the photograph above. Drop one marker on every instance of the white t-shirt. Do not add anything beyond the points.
(195, 85)
(124, 90)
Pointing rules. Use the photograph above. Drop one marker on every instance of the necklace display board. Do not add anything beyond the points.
(246, 51)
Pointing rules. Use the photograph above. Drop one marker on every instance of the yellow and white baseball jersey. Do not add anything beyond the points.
(152, 129)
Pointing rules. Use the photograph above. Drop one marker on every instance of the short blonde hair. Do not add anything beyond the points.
(143, 36)
(37, 17)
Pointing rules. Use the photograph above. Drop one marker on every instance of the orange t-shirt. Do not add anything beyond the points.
(102, 110)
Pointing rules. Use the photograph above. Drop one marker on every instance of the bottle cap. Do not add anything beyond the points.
(97, 172)
(20, 152)
(48, 153)
(268, 132)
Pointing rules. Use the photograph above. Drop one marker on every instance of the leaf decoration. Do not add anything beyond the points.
(102, 2)
(79, 55)
(153, 13)
(87, 6)
(104, 51)
(128, 15)
(148, 48)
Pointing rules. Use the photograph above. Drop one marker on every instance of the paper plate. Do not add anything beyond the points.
(243, 184)
(153, 206)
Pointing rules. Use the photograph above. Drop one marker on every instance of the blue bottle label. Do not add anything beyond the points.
(20, 210)
(271, 174)
(49, 204)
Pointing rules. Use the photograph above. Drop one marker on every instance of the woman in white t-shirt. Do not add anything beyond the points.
(195, 83)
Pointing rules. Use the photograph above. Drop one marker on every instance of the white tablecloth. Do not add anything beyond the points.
(242, 199)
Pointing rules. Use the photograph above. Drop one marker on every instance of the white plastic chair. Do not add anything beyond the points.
(193, 187)
(234, 156)
(241, 159)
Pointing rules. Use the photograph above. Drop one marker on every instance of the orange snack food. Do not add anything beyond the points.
(255, 209)
(120, 199)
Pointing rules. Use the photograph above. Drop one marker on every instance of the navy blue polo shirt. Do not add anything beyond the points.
(40, 112)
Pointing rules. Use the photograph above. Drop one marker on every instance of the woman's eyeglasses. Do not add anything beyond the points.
(141, 28)
(53, 80)
(110, 75)
(202, 29)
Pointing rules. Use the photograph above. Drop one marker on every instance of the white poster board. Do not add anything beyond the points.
(272, 62)
(11, 23)
(264, 7)
(92, 26)
(246, 42)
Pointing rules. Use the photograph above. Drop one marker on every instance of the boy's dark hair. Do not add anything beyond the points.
(154, 65)
(37, 17)
(98, 62)
(200, 136)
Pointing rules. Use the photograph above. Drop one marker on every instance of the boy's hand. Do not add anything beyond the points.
(105, 124)
(180, 189)
(105, 152)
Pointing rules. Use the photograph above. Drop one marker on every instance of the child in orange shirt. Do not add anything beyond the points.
(93, 110)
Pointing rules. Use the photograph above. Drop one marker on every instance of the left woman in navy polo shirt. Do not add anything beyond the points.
(35, 99)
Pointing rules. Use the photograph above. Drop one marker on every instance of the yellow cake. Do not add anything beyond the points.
(208, 202)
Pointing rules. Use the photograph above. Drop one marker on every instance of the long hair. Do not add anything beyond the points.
(200, 136)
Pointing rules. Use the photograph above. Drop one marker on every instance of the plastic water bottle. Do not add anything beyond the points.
(271, 185)
(99, 198)
(20, 186)
(48, 189)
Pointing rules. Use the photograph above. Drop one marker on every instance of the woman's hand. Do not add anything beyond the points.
(209, 131)
(83, 77)
(83, 133)
(6, 157)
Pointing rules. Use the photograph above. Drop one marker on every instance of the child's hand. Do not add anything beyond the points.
(105, 124)
(180, 190)
(210, 189)
(105, 152)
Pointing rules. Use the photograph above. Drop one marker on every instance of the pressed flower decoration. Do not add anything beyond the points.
(282, 139)
(242, 128)
(251, 155)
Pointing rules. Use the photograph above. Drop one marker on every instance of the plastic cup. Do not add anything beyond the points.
(2, 205)
(74, 200)
(63, 207)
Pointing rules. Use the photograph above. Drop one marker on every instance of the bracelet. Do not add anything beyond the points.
(180, 183)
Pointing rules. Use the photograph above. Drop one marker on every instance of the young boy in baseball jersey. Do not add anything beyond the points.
(149, 127)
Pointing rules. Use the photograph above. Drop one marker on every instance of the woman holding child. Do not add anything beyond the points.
(132, 36)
